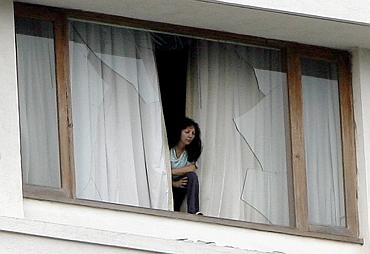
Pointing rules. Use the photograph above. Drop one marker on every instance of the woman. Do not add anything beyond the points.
(185, 151)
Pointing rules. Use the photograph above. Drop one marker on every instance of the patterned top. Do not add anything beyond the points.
(179, 162)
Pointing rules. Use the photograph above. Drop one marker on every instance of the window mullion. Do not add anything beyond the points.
(297, 140)
(61, 56)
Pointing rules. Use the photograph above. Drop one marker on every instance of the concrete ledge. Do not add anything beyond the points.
(112, 239)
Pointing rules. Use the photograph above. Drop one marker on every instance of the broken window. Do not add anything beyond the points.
(98, 103)
(236, 93)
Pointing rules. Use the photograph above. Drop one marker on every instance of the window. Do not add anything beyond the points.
(38, 104)
(97, 103)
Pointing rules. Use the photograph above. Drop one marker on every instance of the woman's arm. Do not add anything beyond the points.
(181, 171)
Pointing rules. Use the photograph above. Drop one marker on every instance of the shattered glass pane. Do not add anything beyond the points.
(238, 95)
(120, 64)
(264, 128)
(119, 135)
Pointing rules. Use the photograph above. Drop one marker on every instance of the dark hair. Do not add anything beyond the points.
(194, 149)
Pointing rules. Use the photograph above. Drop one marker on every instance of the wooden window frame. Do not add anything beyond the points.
(342, 60)
(64, 123)
(291, 53)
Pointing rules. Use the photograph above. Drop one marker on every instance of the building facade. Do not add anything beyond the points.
(38, 218)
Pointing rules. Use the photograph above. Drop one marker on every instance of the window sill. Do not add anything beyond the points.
(197, 218)
(106, 238)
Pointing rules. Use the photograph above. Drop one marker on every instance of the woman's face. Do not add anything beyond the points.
(187, 135)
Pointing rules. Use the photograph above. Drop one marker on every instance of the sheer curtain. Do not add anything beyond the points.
(323, 149)
(37, 103)
(237, 94)
(120, 143)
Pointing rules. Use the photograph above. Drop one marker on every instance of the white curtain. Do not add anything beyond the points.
(120, 144)
(242, 114)
(323, 149)
(37, 103)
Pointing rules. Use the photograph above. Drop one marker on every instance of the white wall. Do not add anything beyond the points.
(12, 243)
(10, 170)
(349, 10)
(212, 14)
(145, 225)
(361, 94)
(166, 228)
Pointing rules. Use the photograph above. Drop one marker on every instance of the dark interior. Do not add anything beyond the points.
(172, 58)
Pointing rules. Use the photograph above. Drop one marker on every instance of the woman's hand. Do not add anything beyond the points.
(193, 167)
(180, 183)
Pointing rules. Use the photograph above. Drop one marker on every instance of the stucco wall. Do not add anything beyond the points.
(278, 22)
(361, 94)
(10, 169)
(166, 228)
(355, 11)
(13, 243)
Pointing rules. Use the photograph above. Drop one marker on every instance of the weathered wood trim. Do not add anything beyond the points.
(297, 139)
(348, 144)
